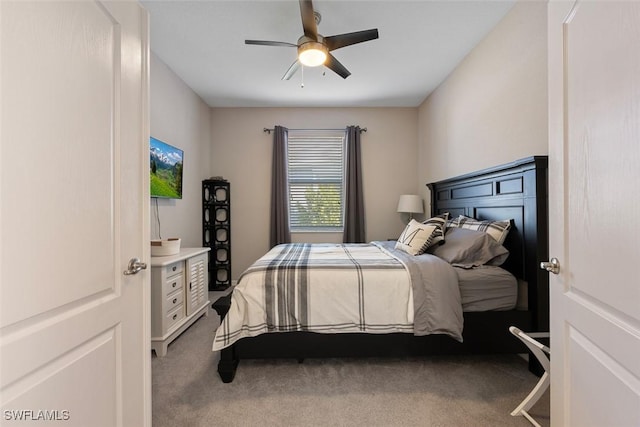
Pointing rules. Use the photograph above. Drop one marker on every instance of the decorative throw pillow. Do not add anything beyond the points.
(452, 222)
(416, 238)
(440, 221)
(496, 229)
(470, 248)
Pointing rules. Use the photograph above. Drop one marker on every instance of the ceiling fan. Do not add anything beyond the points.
(313, 48)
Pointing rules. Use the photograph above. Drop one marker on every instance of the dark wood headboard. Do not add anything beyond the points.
(515, 191)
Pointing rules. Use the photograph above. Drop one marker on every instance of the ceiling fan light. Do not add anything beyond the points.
(312, 54)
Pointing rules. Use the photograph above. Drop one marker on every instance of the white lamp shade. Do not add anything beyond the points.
(410, 203)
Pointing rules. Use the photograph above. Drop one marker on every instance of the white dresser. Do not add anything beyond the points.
(179, 294)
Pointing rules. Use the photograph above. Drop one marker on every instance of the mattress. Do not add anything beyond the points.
(487, 288)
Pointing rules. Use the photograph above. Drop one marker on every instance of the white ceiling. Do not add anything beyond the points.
(421, 42)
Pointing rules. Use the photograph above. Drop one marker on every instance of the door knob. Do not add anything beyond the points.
(135, 265)
(552, 266)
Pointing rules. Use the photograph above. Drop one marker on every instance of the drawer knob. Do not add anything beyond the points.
(175, 316)
(173, 285)
(174, 268)
(175, 300)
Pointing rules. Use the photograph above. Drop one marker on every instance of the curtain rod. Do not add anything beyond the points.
(267, 130)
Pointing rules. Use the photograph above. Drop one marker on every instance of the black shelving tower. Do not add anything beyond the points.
(216, 231)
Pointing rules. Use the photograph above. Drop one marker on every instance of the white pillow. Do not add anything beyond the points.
(416, 238)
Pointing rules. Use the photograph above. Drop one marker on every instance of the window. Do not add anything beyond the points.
(316, 179)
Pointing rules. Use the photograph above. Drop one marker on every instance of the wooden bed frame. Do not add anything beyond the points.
(516, 191)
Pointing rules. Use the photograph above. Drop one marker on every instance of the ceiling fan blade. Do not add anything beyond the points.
(334, 65)
(342, 40)
(292, 70)
(269, 43)
(308, 19)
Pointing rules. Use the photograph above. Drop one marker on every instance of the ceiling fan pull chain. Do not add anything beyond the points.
(301, 76)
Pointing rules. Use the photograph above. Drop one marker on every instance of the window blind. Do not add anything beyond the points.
(316, 179)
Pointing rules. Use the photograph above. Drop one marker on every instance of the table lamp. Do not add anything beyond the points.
(410, 203)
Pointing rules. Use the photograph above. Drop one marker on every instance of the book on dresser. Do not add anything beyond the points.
(179, 294)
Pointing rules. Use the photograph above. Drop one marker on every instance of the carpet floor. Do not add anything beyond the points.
(435, 391)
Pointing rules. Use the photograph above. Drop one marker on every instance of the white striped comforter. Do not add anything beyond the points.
(336, 288)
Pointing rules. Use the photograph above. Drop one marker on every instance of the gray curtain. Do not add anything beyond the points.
(279, 189)
(353, 203)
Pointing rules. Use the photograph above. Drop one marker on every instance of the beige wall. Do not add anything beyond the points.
(241, 152)
(180, 118)
(492, 109)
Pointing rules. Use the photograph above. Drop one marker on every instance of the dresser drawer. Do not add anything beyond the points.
(174, 268)
(174, 316)
(173, 284)
(173, 301)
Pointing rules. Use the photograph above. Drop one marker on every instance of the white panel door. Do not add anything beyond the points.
(74, 331)
(594, 155)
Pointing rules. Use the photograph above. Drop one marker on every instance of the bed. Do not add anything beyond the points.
(515, 191)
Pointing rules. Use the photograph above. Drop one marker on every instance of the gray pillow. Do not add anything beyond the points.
(469, 248)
